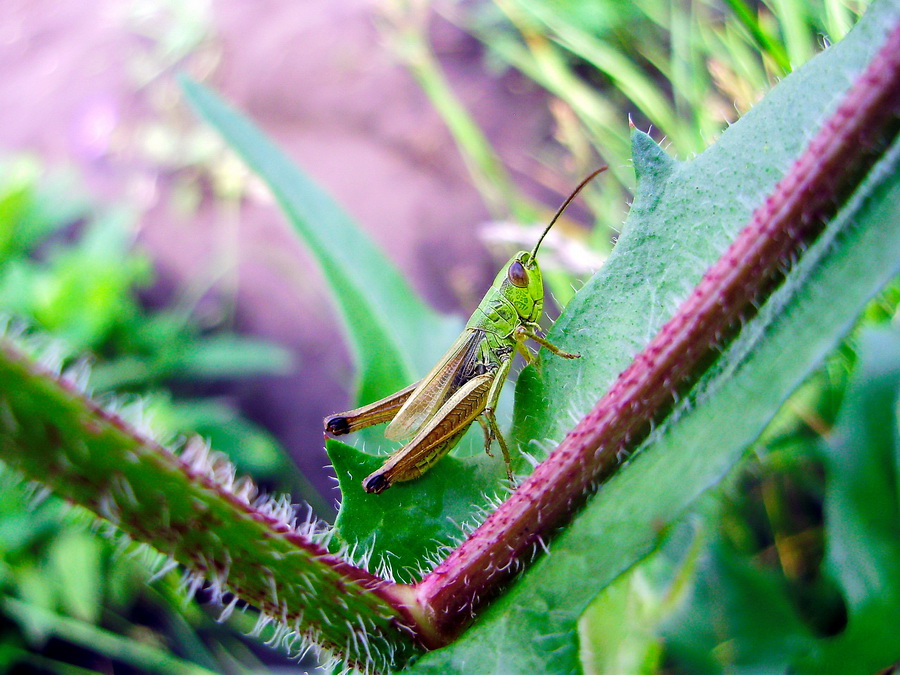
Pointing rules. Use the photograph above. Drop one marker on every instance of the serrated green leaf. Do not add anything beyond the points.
(407, 525)
(674, 233)
(394, 336)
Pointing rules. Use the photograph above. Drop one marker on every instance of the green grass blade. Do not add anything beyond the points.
(765, 41)
(383, 317)
(407, 29)
(629, 79)
(798, 36)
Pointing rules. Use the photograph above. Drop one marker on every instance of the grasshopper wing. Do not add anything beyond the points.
(436, 437)
(451, 372)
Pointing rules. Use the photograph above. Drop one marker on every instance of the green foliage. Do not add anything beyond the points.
(435, 509)
(683, 217)
(854, 588)
(862, 512)
(70, 268)
(654, 527)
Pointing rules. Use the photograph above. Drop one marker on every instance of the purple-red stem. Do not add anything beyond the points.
(796, 212)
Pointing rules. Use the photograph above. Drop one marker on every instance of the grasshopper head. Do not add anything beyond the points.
(521, 283)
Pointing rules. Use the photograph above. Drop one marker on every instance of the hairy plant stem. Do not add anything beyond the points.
(191, 508)
(812, 192)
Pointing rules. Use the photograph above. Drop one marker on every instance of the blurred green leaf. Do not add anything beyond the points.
(75, 561)
(128, 650)
(862, 513)
(739, 620)
(741, 617)
(394, 336)
(618, 632)
(33, 206)
(767, 44)
(230, 356)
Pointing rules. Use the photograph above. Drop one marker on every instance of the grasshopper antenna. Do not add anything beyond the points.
(562, 208)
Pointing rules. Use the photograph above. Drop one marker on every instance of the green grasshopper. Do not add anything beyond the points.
(434, 413)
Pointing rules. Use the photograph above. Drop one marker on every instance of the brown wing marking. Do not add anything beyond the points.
(435, 388)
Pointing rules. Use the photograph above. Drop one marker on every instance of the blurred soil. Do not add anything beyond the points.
(319, 78)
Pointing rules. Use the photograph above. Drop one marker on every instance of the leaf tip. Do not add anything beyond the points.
(650, 161)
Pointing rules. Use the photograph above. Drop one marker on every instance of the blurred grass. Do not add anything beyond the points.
(686, 70)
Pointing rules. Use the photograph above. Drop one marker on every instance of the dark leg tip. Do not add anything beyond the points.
(337, 425)
(376, 483)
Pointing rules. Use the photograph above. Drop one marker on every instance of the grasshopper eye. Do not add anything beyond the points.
(517, 275)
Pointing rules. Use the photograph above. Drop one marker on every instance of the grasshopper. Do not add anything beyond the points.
(434, 413)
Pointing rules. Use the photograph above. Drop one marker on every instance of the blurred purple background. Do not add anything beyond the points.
(92, 86)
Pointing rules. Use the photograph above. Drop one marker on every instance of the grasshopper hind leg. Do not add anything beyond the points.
(337, 425)
(376, 483)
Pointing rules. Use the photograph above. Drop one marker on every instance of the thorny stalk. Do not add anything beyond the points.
(812, 192)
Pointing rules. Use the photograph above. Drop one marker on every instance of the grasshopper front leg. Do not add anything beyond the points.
(529, 332)
(492, 429)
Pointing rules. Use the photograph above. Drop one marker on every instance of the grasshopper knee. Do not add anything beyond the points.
(375, 483)
(337, 425)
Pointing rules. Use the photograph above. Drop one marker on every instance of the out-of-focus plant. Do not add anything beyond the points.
(71, 269)
(686, 70)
